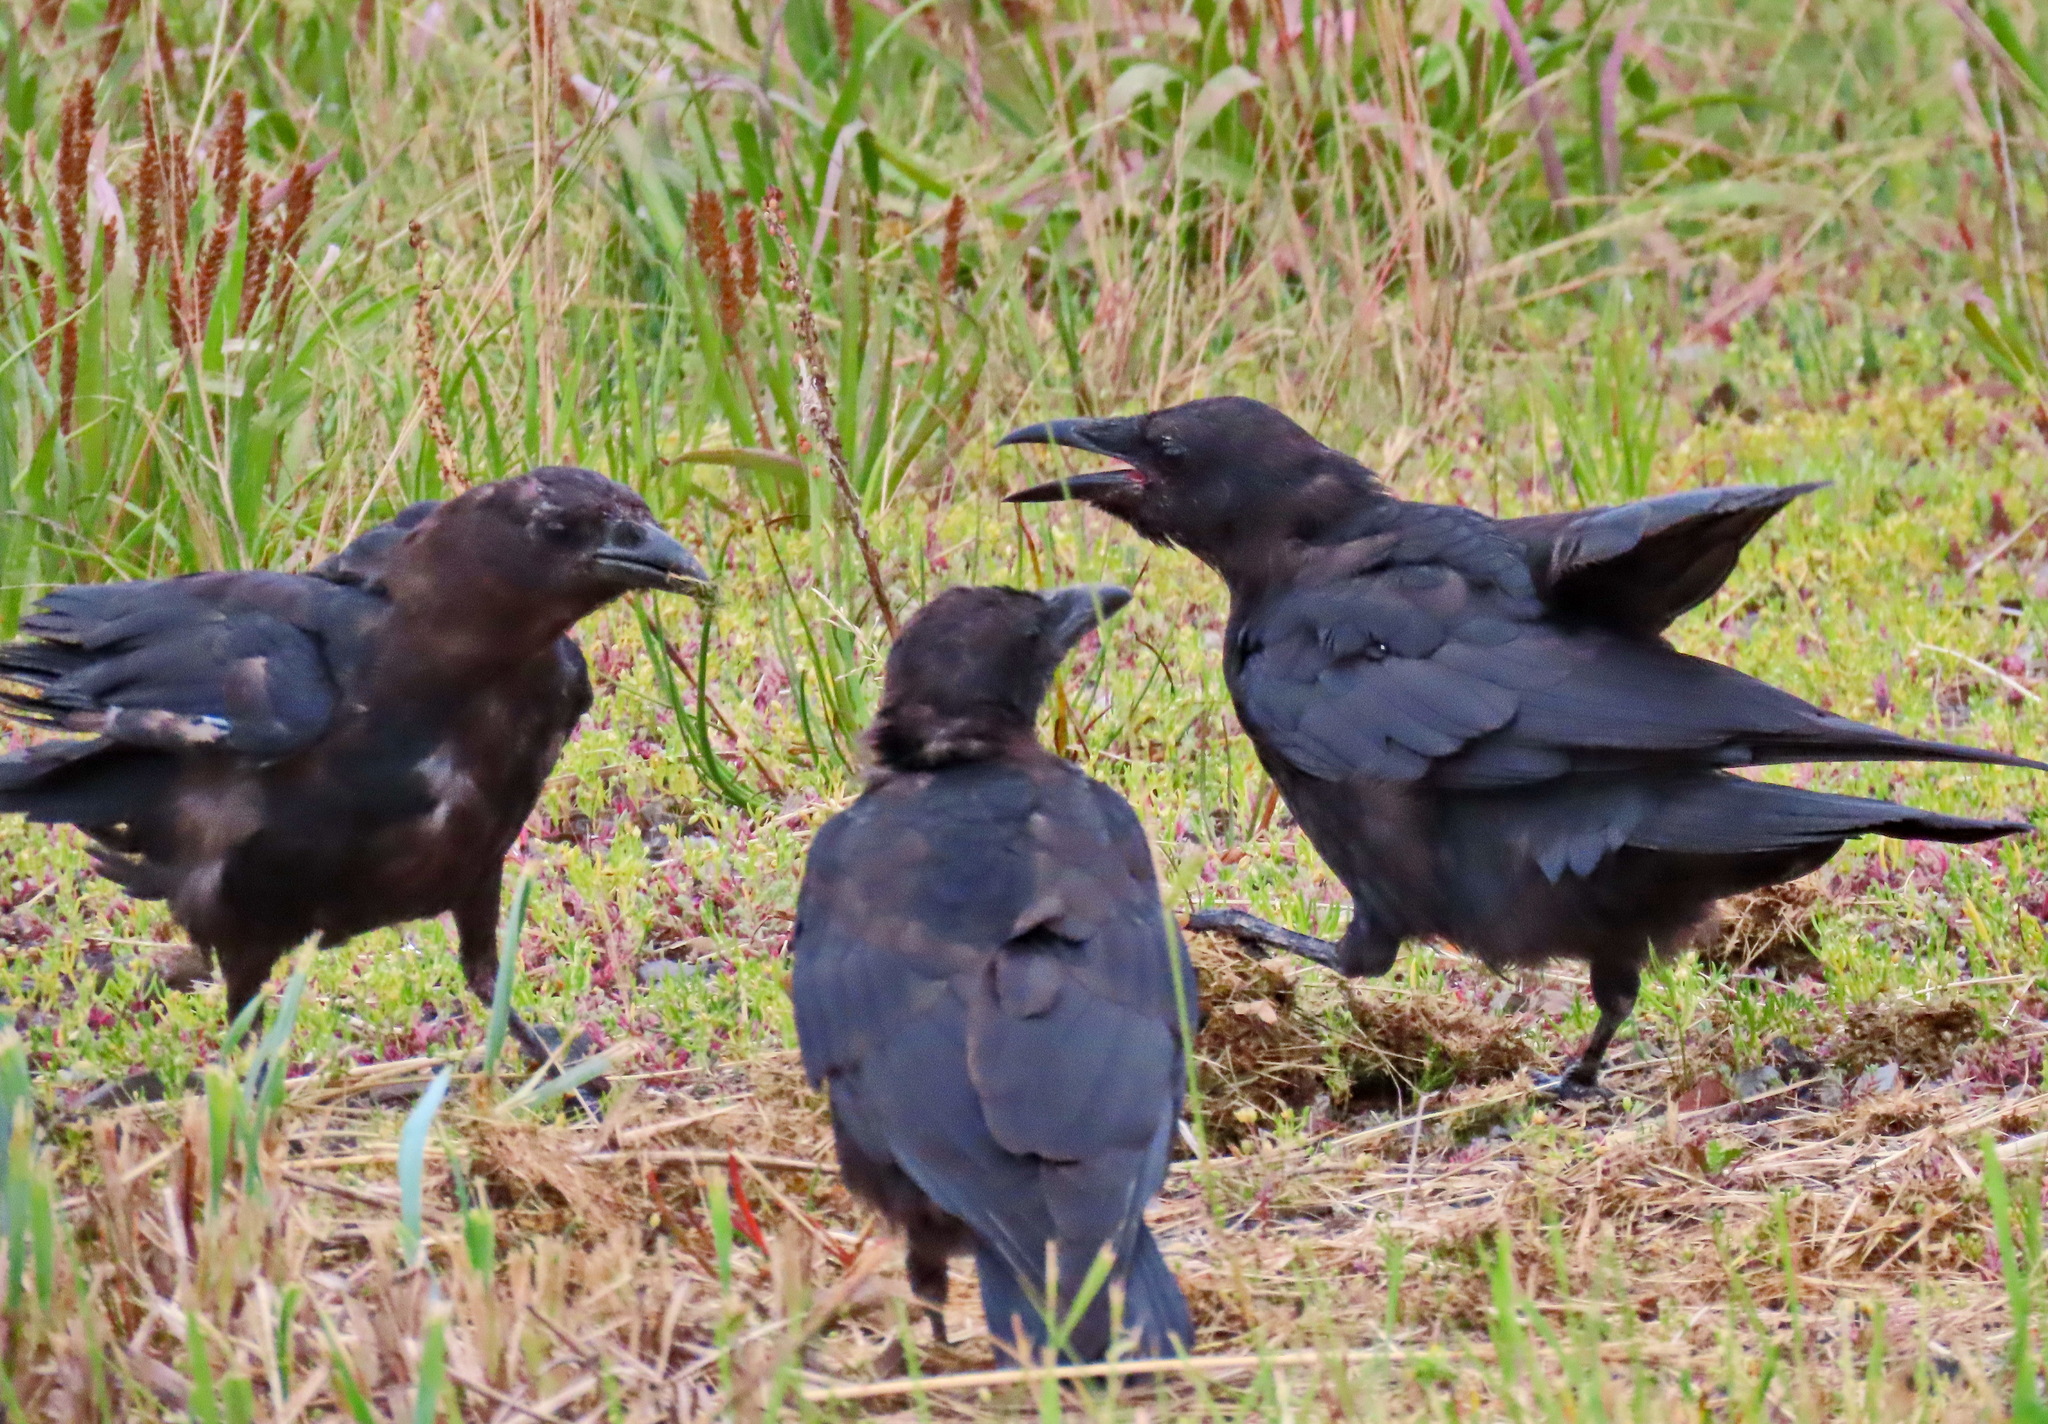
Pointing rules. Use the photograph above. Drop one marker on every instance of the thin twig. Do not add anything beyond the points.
(2002, 547)
(1191, 1365)
(2012, 683)
(429, 369)
(506, 1401)
(815, 396)
(714, 1156)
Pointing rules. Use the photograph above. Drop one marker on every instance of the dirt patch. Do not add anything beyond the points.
(1770, 928)
(1923, 1039)
(1276, 1040)
(1421, 1043)
(1259, 1051)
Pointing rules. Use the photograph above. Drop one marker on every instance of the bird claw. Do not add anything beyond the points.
(1257, 934)
(544, 1046)
(1564, 1088)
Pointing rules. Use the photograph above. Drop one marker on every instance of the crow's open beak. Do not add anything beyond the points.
(641, 555)
(1093, 486)
(1083, 606)
(1118, 437)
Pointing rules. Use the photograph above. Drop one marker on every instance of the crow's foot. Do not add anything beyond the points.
(1564, 1088)
(1256, 933)
(543, 1046)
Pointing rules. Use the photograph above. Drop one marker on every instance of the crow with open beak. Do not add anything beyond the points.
(1478, 722)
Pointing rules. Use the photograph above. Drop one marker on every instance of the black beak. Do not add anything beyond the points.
(1088, 487)
(641, 555)
(1117, 436)
(1081, 607)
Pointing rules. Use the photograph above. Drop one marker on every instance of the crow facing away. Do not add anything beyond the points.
(282, 755)
(1477, 722)
(990, 990)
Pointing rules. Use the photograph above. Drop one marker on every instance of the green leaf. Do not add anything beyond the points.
(412, 1158)
(554, 1085)
(2007, 34)
(508, 970)
(1142, 80)
(1222, 90)
(763, 462)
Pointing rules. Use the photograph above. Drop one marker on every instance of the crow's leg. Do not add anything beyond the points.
(476, 933)
(1364, 951)
(245, 974)
(924, 1261)
(1257, 934)
(1614, 991)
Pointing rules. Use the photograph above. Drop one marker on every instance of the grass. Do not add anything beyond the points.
(1614, 251)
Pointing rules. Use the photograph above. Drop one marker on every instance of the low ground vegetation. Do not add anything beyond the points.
(1718, 244)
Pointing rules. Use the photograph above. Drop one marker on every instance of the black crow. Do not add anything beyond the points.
(283, 755)
(1477, 722)
(989, 988)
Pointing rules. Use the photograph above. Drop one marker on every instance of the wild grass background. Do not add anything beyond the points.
(271, 271)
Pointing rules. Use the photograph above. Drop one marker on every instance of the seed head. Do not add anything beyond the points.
(46, 318)
(750, 254)
(230, 152)
(707, 229)
(74, 148)
(148, 201)
(949, 252)
(166, 52)
(116, 22)
(256, 268)
(842, 30)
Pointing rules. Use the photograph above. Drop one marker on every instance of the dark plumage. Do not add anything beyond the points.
(1477, 722)
(986, 983)
(284, 755)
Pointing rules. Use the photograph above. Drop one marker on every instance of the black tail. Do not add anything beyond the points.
(89, 783)
(1839, 739)
(1731, 815)
(1142, 1297)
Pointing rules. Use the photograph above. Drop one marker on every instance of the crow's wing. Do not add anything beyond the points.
(242, 662)
(1440, 670)
(985, 977)
(1636, 567)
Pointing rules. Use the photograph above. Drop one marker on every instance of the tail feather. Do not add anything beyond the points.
(88, 783)
(1728, 814)
(1154, 1305)
(1840, 739)
(1143, 1299)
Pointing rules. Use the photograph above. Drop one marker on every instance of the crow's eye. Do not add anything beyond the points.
(558, 531)
(1170, 447)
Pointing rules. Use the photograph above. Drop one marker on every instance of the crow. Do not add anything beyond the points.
(283, 755)
(1477, 722)
(990, 990)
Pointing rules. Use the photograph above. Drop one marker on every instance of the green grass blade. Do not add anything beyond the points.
(509, 936)
(412, 1159)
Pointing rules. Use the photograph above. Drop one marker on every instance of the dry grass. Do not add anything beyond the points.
(1768, 929)
(1413, 1254)
(1653, 1238)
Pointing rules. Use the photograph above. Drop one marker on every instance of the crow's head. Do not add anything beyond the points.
(1217, 477)
(550, 546)
(966, 677)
